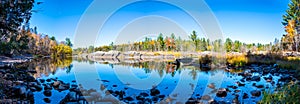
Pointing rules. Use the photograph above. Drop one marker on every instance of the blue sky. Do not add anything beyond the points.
(249, 21)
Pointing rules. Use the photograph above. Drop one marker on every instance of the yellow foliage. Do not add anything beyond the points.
(62, 50)
(238, 60)
(293, 58)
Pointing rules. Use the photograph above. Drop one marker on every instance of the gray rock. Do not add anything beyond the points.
(47, 93)
(56, 84)
(221, 92)
(154, 92)
(72, 96)
(255, 78)
(47, 100)
(255, 93)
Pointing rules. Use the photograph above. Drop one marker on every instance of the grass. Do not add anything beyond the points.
(269, 59)
(289, 94)
(237, 60)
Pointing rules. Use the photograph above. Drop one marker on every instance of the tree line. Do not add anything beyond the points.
(177, 44)
(290, 41)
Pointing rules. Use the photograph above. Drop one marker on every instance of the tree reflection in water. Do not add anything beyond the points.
(47, 66)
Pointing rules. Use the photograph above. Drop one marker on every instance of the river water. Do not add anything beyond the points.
(154, 82)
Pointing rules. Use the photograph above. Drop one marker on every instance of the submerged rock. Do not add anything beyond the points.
(260, 86)
(72, 96)
(140, 98)
(144, 94)
(269, 78)
(285, 78)
(47, 93)
(233, 87)
(240, 84)
(255, 93)
(56, 84)
(255, 78)
(128, 98)
(245, 96)
(211, 85)
(19, 91)
(206, 97)
(154, 92)
(42, 80)
(48, 80)
(47, 100)
(221, 92)
(192, 101)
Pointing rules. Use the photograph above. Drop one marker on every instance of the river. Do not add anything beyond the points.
(154, 82)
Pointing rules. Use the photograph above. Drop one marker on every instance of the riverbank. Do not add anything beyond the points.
(172, 54)
(288, 60)
(8, 62)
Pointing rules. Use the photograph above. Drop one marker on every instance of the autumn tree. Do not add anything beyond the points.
(14, 14)
(170, 43)
(291, 21)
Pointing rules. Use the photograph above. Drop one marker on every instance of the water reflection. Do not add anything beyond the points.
(47, 66)
(173, 83)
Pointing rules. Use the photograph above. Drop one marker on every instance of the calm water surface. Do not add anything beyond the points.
(178, 84)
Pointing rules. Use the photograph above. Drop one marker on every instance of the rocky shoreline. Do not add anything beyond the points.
(166, 55)
(9, 62)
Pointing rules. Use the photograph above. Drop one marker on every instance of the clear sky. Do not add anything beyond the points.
(249, 21)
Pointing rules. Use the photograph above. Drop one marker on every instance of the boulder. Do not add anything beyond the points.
(19, 91)
(47, 93)
(255, 78)
(233, 87)
(141, 98)
(221, 92)
(192, 101)
(162, 96)
(255, 93)
(48, 80)
(269, 78)
(56, 84)
(260, 86)
(63, 87)
(206, 98)
(47, 87)
(154, 92)
(285, 78)
(155, 99)
(96, 95)
(47, 100)
(143, 94)
(245, 96)
(38, 87)
(72, 96)
(128, 98)
(42, 80)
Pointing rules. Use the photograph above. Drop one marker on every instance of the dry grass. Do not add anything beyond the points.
(237, 60)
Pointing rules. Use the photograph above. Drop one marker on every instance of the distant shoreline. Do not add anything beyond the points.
(170, 54)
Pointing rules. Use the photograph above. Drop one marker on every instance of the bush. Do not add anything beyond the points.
(289, 94)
